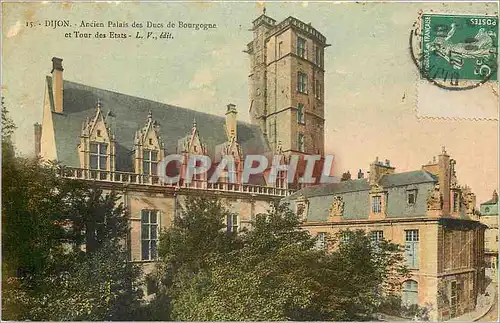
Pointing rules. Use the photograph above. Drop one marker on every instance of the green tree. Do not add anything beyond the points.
(277, 272)
(268, 278)
(8, 128)
(63, 251)
(196, 237)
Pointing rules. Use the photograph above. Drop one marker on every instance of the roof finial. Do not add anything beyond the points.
(99, 104)
(194, 122)
(443, 150)
(150, 115)
(264, 10)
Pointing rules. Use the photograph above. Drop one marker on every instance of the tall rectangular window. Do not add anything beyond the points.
(280, 49)
(318, 56)
(300, 142)
(376, 204)
(302, 82)
(345, 236)
(98, 155)
(232, 223)
(301, 47)
(317, 89)
(411, 248)
(453, 298)
(376, 236)
(150, 162)
(300, 113)
(149, 234)
(321, 240)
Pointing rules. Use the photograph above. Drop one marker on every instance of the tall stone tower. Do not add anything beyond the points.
(286, 84)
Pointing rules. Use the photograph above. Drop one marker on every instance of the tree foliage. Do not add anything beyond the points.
(275, 271)
(63, 251)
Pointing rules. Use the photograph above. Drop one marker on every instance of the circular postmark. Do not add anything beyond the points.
(455, 52)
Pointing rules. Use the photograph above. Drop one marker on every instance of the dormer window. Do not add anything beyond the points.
(98, 155)
(150, 141)
(411, 196)
(96, 149)
(301, 209)
(150, 162)
(377, 204)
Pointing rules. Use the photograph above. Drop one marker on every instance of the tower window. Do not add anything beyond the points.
(98, 155)
(280, 49)
(317, 89)
(302, 82)
(301, 47)
(318, 56)
(300, 114)
(300, 142)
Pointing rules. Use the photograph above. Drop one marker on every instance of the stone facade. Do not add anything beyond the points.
(443, 239)
(489, 216)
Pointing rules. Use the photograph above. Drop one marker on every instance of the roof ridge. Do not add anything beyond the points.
(90, 87)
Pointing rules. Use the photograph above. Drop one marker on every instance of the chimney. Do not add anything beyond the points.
(346, 176)
(57, 84)
(378, 169)
(495, 196)
(444, 175)
(360, 174)
(231, 122)
(38, 138)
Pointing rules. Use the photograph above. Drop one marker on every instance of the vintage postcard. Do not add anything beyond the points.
(250, 161)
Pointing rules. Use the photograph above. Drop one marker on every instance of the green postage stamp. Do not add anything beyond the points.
(459, 47)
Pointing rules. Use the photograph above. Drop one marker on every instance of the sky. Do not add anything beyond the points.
(371, 85)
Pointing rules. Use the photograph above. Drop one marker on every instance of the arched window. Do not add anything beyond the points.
(410, 292)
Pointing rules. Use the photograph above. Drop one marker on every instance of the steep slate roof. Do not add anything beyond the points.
(330, 189)
(490, 202)
(407, 178)
(355, 194)
(392, 180)
(131, 115)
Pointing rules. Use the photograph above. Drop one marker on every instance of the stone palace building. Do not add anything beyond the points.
(426, 211)
(118, 140)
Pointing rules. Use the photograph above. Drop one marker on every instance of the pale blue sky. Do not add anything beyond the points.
(368, 72)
